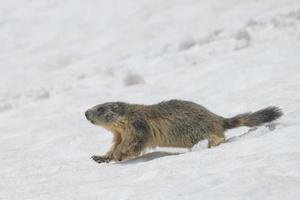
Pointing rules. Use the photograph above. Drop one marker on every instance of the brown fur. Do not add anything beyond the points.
(173, 123)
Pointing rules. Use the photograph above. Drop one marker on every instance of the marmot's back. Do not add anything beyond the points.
(184, 123)
(181, 123)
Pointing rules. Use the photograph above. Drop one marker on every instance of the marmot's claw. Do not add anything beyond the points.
(100, 159)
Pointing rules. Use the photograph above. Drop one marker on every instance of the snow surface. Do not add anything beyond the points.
(58, 58)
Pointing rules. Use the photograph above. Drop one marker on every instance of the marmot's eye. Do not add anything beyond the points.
(100, 110)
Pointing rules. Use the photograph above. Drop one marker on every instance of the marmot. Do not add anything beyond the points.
(174, 123)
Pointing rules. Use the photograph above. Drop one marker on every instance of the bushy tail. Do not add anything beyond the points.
(253, 119)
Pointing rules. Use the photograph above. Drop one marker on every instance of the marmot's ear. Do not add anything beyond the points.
(110, 116)
(119, 108)
(115, 106)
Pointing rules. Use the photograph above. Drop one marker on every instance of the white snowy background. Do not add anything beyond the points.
(60, 57)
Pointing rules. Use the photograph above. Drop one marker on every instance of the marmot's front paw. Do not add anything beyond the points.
(100, 159)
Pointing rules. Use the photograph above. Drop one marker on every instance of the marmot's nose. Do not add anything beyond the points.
(88, 114)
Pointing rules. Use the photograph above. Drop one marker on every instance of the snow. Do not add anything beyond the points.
(59, 58)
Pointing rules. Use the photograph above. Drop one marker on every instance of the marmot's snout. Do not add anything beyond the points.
(89, 115)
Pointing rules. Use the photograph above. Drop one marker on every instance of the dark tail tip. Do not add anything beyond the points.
(268, 114)
(254, 119)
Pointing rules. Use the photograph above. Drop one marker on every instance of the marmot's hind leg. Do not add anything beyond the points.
(215, 139)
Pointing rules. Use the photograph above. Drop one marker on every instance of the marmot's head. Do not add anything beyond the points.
(106, 114)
